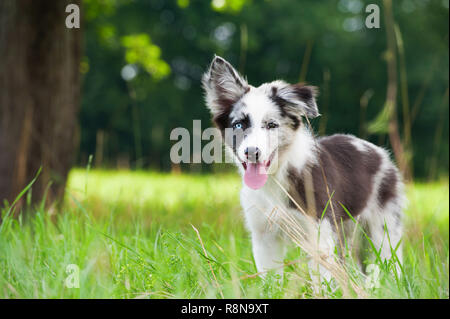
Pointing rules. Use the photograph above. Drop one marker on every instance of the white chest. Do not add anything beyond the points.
(264, 207)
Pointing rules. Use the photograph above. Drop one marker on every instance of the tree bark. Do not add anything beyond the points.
(39, 96)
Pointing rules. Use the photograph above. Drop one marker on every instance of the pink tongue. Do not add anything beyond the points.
(255, 175)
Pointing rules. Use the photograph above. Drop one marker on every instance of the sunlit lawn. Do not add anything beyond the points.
(131, 235)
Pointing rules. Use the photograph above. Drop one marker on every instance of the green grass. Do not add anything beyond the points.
(130, 234)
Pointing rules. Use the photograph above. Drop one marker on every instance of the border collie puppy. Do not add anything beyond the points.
(288, 173)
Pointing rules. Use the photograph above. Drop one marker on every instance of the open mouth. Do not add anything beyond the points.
(265, 163)
(255, 175)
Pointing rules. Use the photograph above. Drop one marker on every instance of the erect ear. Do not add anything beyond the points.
(298, 98)
(223, 86)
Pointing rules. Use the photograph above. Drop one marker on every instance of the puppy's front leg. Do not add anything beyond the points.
(323, 242)
(268, 251)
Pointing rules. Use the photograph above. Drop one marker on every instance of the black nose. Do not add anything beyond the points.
(252, 153)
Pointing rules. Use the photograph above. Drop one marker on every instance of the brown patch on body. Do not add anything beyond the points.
(349, 174)
(388, 188)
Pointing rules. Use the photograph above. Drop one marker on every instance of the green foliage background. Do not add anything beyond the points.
(169, 43)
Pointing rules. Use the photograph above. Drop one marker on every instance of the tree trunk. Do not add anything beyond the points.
(39, 96)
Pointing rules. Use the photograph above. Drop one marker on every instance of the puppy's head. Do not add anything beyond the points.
(257, 123)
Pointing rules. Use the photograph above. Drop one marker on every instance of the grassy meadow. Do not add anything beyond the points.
(134, 235)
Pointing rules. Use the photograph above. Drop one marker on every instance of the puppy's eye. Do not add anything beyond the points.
(271, 125)
(238, 126)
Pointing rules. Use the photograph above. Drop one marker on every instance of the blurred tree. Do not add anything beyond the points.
(391, 92)
(323, 42)
(144, 60)
(39, 96)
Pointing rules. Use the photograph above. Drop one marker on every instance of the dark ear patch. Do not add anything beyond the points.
(304, 93)
(307, 94)
(282, 105)
(222, 120)
(274, 90)
(296, 99)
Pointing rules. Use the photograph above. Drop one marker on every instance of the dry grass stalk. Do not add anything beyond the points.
(209, 263)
